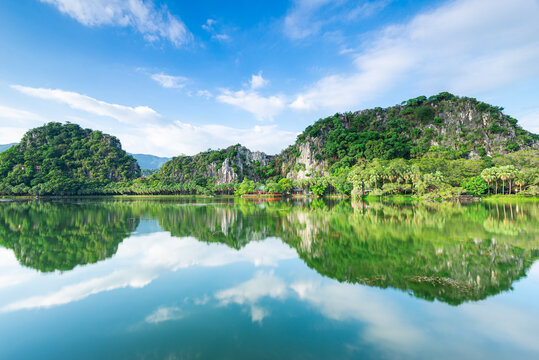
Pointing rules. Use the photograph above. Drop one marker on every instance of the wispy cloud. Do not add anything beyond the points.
(122, 113)
(169, 81)
(182, 138)
(215, 31)
(263, 108)
(449, 48)
(309, 17)
(10, 113)
(148, 133)
(143, 16)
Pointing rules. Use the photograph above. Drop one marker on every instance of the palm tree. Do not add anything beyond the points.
(519, 179)
(496, 174)
(488, 176)
(504, 173)
(511, 170)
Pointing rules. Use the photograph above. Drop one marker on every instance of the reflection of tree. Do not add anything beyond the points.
(446, 251)
(59, 236)
(441, 251)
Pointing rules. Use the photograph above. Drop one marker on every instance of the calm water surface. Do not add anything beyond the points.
(229, 279)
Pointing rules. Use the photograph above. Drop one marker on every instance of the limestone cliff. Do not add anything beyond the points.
(229, 165)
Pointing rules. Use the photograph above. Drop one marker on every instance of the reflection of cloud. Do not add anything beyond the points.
(258, 314)
(70, 293)
(11, 273)
(144, 258)
(263, 284)
(351, 302)
(201, 301)
(503, 323)
(173, 253)
(164, 314)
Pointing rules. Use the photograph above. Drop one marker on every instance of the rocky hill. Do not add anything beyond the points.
(460, 127)
(232, 164)
(64, 159)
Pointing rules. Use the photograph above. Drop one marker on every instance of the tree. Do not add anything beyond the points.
(489, 176)
(285, 184)
(475, 186)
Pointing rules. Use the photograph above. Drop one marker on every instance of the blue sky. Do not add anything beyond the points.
(179, 77)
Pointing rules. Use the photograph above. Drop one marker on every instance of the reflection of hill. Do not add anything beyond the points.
(448, 252)
(60, 236)
(441, 253)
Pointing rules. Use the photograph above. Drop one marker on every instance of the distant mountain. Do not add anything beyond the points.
(6, 146)
(147, 162)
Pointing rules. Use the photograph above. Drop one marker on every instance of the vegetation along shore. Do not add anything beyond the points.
(438, 147)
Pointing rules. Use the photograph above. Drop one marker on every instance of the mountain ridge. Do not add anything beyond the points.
(461, 127)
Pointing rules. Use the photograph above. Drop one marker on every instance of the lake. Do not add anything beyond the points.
(216, 278)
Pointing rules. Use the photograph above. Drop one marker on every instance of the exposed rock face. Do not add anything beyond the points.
(467, 127)
(463, 126)
(306, 164)
(226, 174)
(219, 166)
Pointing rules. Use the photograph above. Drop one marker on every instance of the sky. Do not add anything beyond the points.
(180, 77)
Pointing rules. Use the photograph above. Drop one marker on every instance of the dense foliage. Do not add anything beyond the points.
(436, 176)
(462, 127)
(64, 159)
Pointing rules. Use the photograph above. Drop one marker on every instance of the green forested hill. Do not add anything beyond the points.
(461, 127)
(440, 142)
(64, 159)
(217, 167)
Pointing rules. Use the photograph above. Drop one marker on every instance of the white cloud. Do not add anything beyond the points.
(125, 114)
(148, 135)
(257, 81)
(10, 134)
(263, 108)
(181, 138)
(169, 81)
(14, 123)
(163, 314)
(143, 16)
(10, 113)
(465, 46)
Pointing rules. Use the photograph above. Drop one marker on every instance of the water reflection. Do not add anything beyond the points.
(230, 280)
(449, 252)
